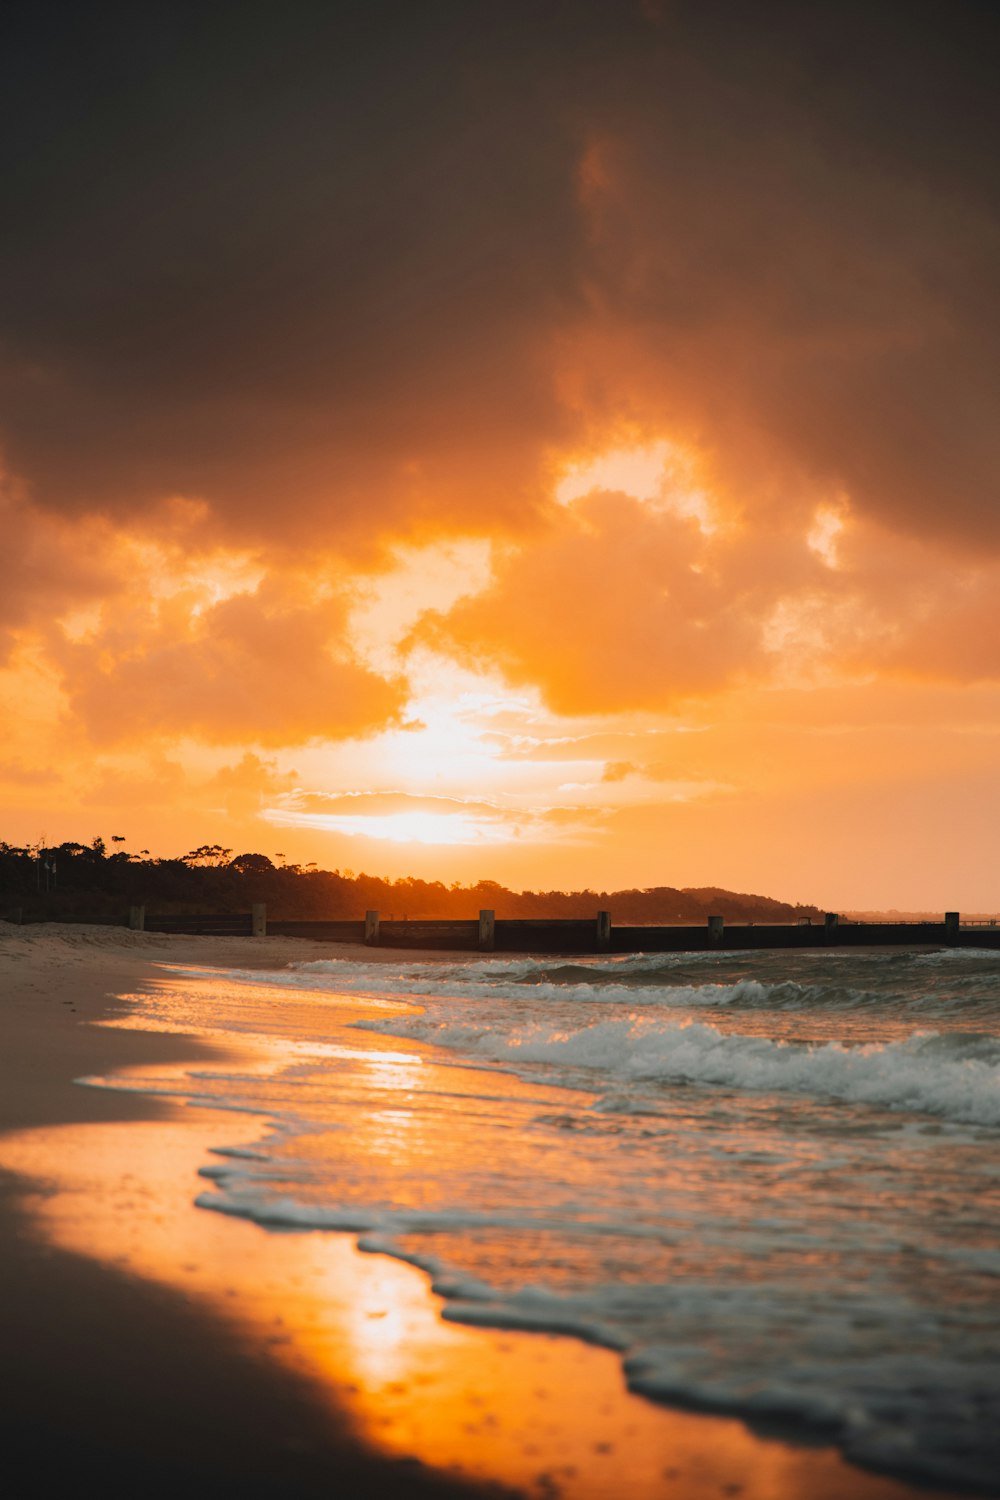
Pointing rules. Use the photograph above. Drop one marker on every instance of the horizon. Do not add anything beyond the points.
(215, 857)
(553, 446)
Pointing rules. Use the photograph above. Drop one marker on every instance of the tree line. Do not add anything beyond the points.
(89, 882)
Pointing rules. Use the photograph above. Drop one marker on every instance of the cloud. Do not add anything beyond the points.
(619, 770)
(407, 818)
(622, 606)
(47, 566)
(690, 783)
(264, 667)
(15, 773)
(803, 288)
(311, 292)
(397, 817)
(136, 788)
(346, 281)
(307, 282)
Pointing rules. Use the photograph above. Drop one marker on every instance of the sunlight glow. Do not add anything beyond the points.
(828, 523)
(500, 1407)
(446, 746)
(637, 471)
(660, 474)
(402, 827)
(423, 578)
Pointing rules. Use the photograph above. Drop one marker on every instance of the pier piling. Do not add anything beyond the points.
(487, 930)
(602, 935)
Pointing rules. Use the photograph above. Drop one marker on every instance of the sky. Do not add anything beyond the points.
(545, 442)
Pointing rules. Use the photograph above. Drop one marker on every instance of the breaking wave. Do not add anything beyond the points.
(956, 1075)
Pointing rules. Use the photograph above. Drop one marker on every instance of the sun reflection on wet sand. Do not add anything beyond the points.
(545, 1414)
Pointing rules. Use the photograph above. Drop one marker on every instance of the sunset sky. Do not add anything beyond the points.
(553, 442)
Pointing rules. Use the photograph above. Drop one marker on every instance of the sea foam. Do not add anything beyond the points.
(751, 1175)
(956, 1076)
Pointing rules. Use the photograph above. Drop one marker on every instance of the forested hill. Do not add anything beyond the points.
(85, 881)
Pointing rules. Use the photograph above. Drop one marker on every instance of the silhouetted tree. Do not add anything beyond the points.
(251, 864)
(207, 854)
(94, 887)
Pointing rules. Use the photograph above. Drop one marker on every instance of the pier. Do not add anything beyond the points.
(488, 933)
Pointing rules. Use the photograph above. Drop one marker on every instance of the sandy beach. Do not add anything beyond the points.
(152, 1346)
(109, 1379)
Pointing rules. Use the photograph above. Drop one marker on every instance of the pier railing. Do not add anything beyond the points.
(488, 933)
(199, 924)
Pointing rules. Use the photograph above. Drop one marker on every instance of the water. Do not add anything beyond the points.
(771, 1181)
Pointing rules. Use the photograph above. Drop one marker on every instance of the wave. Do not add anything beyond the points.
(954, 987)
(845, 1372)
(820, 1261)
(955, 1075)
(953, 983)
(541, 982)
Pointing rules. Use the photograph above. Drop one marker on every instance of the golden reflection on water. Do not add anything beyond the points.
(547, 1415)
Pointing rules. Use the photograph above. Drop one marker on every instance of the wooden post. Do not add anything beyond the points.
(258, 917)
(487, 930)
(137, 918)
(371, 928)
(831, 926)
(602, 934)
(951, 919)
(716, 926)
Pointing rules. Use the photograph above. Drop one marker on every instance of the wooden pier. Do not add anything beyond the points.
(488, 933)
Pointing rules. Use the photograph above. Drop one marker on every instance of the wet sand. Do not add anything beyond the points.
(111, 1380)
(153, 1348)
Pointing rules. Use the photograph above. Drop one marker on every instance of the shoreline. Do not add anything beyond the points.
(138, 1412)
(76, 1399)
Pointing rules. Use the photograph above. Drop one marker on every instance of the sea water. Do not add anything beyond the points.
(769, 1180)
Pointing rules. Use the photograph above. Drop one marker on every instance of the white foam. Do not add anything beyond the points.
(787, 981)
(745, 1253)
(955, 1076)
(523, 981)
(954, 955)
(934, 1417)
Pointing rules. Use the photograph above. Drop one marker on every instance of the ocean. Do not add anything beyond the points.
(769, 1181)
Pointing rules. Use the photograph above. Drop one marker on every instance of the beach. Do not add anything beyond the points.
(153, 1345)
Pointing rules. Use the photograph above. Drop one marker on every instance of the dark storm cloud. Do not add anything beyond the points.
(45, 568)
(312, 263)
(273, 252)
(803, 250)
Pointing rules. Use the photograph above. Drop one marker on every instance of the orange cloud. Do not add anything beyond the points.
(258, 667)
(407, 818)
(622, 606)
(373, 314)
(46, 566)
(619, 605)
(15, 774)
(812, 320)
(436, 285)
